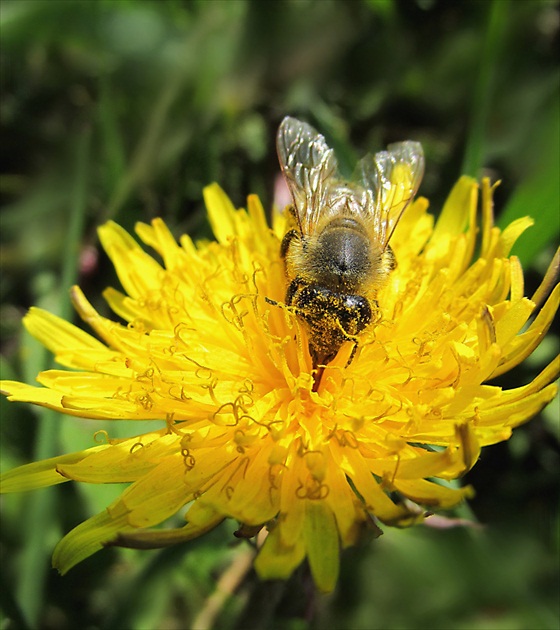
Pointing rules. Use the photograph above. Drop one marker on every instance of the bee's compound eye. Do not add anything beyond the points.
(355, 314)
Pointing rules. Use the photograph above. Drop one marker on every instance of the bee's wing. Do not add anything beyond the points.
(308, 165)
(393, 176)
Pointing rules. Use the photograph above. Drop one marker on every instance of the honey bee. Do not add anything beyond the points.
(337, 255)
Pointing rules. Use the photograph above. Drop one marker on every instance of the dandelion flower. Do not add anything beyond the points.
(246, 428)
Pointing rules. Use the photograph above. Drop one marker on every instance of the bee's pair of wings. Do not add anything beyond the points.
(382, 186)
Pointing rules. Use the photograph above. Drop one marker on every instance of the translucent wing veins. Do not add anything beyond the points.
(383, 184)
(393, 176)
(308, 165)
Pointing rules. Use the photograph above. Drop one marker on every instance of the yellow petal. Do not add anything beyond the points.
(158, 494)
(52, 399)
(432, 494)
(343, 503)
(159, 237)
(376, 501)
(138, 272)
(512, 232)
(160, 538)
(44, 473)
(456, 210)
(221, 213)
(57, 334)
(276, 560)
(87, 538)
(514, 413)
(292, 508)
(511, 323)
(124, 461)
(521, 346)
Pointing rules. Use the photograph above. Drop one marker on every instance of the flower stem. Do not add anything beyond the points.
(225, 588)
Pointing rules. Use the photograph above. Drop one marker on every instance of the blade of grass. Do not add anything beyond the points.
(482, 93)
(113, 147)
(40, 508)
(142, 159)
(10, 606)
(539, 194)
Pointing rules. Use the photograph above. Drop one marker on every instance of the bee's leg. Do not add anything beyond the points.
(295, 284)
(389, 256)
(288, 238)
(293, 288)
(352, 354)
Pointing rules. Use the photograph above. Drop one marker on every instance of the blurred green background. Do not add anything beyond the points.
(125, 110)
